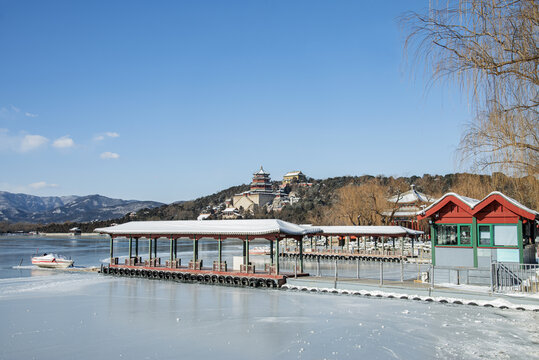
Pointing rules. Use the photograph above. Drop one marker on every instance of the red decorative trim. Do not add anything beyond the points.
(448, 199)
(199, 236)
(505, 203)
(497, 247)
(454, 246)
(513, 220)
(455, 221)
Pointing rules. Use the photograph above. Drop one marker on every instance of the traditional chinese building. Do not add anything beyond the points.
(294, 176)
(261, 182)
(231, 213)
(260, 194)
(409, 204)
(283, 199)
(467, 232)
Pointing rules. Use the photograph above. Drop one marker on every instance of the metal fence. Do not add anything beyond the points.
(502, 277)
(378, 271)
(510, 277)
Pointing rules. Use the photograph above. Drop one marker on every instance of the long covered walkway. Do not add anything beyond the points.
(193, 231)
(272, 230)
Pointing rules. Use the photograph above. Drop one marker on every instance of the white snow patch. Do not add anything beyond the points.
(494, 302)
(474, 288)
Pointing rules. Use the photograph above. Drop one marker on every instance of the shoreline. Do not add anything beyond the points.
(62, 235)
(71, 235)
(443, 293)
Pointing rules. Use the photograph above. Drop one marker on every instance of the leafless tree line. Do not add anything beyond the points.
(365, 204)
(368, 203)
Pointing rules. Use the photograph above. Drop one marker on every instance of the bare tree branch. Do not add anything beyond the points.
(490, 48)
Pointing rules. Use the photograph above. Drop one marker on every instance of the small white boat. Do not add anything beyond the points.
(52, 261)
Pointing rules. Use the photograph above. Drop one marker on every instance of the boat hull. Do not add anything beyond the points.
(57, 264)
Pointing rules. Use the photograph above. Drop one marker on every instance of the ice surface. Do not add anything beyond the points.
(49, 314)
(47, 283)
(140, 318)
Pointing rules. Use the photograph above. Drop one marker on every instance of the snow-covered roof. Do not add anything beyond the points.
(368, 230)
(203, 216)
(404, 211)
(472, 203)
(256, 192)
(407, 214)
(513, 201)
(230, 210)
(209, 227)
(411, 196)
(292, 173)
(261, 172)
(468, 201)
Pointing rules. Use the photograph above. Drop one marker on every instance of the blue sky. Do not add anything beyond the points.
(172, 100)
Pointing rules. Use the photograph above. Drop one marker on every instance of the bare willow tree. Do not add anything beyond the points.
(490, 48)
(473, 185)
(367, 204)
(479, 186)
(360, 204)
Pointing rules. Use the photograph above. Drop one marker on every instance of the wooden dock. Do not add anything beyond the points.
(204, 276)
(272, 230)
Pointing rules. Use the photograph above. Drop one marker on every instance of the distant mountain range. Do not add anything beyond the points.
(47, 209)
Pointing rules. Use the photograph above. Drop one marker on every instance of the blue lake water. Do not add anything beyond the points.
(48, 314)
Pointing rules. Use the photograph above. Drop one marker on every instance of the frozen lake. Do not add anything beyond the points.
(48, 314)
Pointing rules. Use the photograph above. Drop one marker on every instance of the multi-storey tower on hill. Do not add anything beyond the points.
(260, 194)
(261, 181)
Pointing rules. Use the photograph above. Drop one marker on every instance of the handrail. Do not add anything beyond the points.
(515, 277)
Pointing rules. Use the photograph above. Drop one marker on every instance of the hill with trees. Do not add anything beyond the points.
(327, 201)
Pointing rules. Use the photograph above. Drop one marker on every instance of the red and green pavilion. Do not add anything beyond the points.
(467, 232)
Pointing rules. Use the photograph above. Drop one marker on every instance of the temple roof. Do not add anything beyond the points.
(261, 172)
(411, 196)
